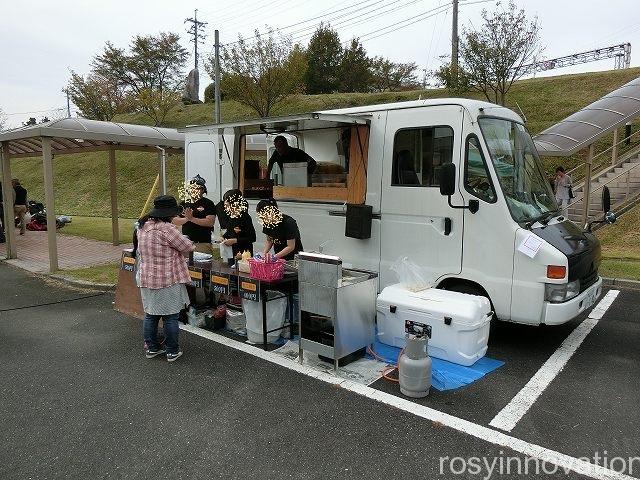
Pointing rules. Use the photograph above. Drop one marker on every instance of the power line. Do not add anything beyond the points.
(415, 20)
(245, 19)
(433, 33)
(346, 20)
(54, 109)
(418, 18)
(358, 19)
(314, 26)
(232, 15)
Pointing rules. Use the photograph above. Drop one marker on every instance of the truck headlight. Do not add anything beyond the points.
(557, 293)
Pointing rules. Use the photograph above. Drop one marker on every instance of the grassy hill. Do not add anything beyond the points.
(82, 184)
(621, 246)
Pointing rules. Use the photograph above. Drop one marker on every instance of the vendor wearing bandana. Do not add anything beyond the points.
(281, 230)
(240, 233)
(199, 215)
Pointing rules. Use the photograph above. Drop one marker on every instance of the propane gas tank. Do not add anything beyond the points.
(414, 368)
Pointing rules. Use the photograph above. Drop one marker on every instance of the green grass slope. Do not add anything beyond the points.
(82, 181)
(621, 246)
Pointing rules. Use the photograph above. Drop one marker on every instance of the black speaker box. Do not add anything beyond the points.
(358, 224)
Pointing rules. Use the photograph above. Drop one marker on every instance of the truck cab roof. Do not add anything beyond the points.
(474, 107)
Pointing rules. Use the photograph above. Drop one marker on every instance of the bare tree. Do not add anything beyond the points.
(263, 72)
(493, 56)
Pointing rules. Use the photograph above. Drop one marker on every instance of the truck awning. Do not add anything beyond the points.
(291, 123)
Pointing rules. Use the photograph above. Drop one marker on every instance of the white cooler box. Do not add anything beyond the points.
(459, 322)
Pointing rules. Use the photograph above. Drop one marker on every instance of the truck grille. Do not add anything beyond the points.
(588, 280)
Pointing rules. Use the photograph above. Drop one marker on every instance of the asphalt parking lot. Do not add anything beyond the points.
(79, 400)
(593, 405)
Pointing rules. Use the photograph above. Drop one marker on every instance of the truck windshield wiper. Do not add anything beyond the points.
(543, 218)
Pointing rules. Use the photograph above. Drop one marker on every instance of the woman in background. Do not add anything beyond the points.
(563, 191)
(162, 274)
(240, 233)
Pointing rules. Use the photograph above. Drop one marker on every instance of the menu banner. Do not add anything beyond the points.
(196, 276)
(128, 262)
(220, 283)
(249, 289)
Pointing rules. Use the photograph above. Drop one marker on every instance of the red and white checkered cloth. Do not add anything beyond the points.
(161, 247)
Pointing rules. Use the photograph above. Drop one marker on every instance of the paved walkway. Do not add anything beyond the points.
(73, 252)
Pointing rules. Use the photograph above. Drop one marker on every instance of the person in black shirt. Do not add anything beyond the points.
(20, 203)
(286, 154)
(199, 216)
(240, 233)
(281, 230)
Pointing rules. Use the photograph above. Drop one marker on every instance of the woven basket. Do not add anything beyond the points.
(269, 271)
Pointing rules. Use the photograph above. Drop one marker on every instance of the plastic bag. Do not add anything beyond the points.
(410, 275)
(226, 251)
(276, 309)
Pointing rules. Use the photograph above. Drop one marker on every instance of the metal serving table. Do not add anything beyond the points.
(337, 307)
(226, 280)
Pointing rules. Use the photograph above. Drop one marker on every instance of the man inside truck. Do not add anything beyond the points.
(286, 154)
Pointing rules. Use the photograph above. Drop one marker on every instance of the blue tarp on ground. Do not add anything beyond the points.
(445, 375)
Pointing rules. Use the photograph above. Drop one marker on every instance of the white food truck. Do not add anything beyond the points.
(454, 185)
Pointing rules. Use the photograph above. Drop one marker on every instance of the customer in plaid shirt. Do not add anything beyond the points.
(162, 275)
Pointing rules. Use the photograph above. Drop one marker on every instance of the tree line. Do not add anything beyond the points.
(149, 75)
(265, 69)
(261, 71)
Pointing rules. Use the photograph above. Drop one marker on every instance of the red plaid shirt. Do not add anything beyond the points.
(161, 246)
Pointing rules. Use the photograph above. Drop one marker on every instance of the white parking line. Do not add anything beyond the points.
(478, 431)
(511, 414)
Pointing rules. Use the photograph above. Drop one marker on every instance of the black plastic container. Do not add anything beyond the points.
(358, 223)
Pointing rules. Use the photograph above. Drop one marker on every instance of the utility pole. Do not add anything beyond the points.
(216, 93)
(217, 76)
(196, 30)
(454, 42)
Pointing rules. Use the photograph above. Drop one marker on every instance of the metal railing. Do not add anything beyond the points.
(621, 157)
(600, 187)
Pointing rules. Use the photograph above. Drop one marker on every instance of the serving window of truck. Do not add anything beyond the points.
(324, 158)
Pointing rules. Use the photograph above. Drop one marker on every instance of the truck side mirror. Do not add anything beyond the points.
(610, 217)
(448, 179)
(448, 187)
(606, 199)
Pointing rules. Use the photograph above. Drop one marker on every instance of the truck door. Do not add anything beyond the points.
(416, 220)
(201, 158)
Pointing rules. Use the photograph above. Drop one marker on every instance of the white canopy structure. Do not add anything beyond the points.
(77, 135)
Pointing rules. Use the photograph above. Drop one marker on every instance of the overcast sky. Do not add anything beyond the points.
(42, 40)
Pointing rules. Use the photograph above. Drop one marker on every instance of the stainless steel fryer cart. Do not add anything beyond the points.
(337, 307)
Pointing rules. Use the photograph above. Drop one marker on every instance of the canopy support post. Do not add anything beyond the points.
(115, 230)
(587, 186)
(162, 159)
(7, 202)
(47, 167)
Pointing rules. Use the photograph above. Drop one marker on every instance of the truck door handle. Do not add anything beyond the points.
(447, 226)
